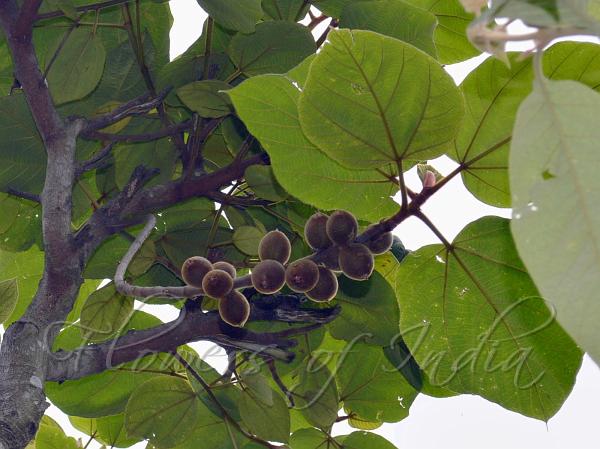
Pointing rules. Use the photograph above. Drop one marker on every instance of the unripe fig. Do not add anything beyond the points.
(356, 261)
(217, 283)
(227, 267)
(234, 309)
(315, 233)
(341, 227)
(268, 276)
(275, 246)
(380, 244)
(326, 288)
(194, 269)
(302, 275)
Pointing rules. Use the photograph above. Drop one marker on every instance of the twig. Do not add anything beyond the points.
(136, 138)
(95, 161)
(275, 375)
(25, 195)
(321, 40)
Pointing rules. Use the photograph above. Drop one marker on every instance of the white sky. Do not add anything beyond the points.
(462, 422)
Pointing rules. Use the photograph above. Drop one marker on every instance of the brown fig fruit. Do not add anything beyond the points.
(341, 227)
(380, 244)
(268, 276)
(275, 246)
(326, 288)
(234, 309)
(302, 275)
(217, 283)
(356, 261)
(227, 267)
(315, 233)
(194, 269)
(330, 258)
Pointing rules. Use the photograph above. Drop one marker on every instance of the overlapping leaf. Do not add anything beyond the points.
(370, 100)
(483, 328)
(555, 189)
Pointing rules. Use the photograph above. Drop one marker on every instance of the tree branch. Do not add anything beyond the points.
(136, 138)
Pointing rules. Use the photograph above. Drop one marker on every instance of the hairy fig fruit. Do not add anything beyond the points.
(234, 309)
(380, 244)
(194, 269)
(268, 276)
(315, 233)
(302, 275)
(356, 261)
(341, 227)
(217, 283)
(275, 246)
(326, 288)
(227, 267)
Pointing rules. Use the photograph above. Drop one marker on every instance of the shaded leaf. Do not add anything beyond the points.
(232, 14)
(104, 313)
(270, 422)
(206, 98)
(9, 295)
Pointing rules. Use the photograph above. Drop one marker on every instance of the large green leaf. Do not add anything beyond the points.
(20, 223)
(492, 94)
(163, 410)
(268, 106)
(78, 67)
(556, 191)
(22, 154)
(394, 18)
(111, 431)
(369, 309)
(233, 14)
(104, 313)
(371, 386)
(484, 328)
(370, 100)
(366, 440)
(275, 47)
(316, 395)
(270, 422)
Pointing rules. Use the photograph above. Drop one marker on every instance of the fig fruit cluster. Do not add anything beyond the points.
(217, 282)
(336, 234)
(332, 237)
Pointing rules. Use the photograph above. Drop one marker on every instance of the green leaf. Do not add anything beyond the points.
(555, 188)
(399, 355)
(51, 436)
(451, 33)
(394, 18)
(493, 92)
(333, 8)
(366, 440)
(163, 410)
(111, 431)
(160, 154)
(309, 439)
(268, 106)
(105, 313)
(316, 395)
(385, 101)
(20, 223)
(484, 329)
(290, 10)
(275, 47)
(27, 268)
(247, 238)
(66, 6)
(371, 386)
(271, 423)
(206, 98)
(369, 309)
(262, 181)
(9, 295)
(100, 394)
(233, 14)
(78, 67)
(22, 153)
